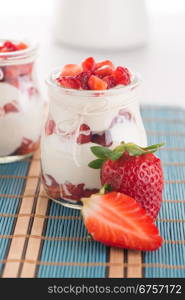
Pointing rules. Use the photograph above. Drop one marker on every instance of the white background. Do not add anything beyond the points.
(161, 63)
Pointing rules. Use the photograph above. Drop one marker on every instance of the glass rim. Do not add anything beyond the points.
(20, 54)
(51, 82)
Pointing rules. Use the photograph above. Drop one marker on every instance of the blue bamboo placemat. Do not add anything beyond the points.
(39, 238)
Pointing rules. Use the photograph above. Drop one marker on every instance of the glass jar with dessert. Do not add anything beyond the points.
(21, 107)
(90, 104)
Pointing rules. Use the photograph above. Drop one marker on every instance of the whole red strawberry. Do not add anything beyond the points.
(134, 171)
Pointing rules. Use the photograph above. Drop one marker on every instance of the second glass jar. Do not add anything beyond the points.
(21, 106)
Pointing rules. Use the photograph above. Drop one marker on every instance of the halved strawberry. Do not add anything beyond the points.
(69, 82)
(71, 70)
(118, 220)
(105, 63)
(89, 64)
(96, 83)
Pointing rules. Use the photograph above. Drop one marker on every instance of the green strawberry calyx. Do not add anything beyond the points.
(103, 153)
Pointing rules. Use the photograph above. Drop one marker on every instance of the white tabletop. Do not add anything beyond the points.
(161, 63)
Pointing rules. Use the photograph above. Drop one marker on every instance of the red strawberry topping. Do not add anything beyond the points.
(93, 76)
(8, 46)
(118, 220)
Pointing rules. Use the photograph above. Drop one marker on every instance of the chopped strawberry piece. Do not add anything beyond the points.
(89, 64)
(104, 139)
(104, 63)
(96, 83)
(111, 81)
(11, 107)
(50, 127)
(118, 220)
(122, 76)
(69, 82)
(8, 47)
(103, 72)
(83, 79)
(84, 134)
(22, 46)
(71, 70)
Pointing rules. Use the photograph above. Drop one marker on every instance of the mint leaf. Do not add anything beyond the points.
(101, 152)
(96, 164)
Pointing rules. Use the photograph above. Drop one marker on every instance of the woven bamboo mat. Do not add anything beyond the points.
(39, 238)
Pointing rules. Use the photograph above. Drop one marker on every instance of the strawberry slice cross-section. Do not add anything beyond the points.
(116, 219)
